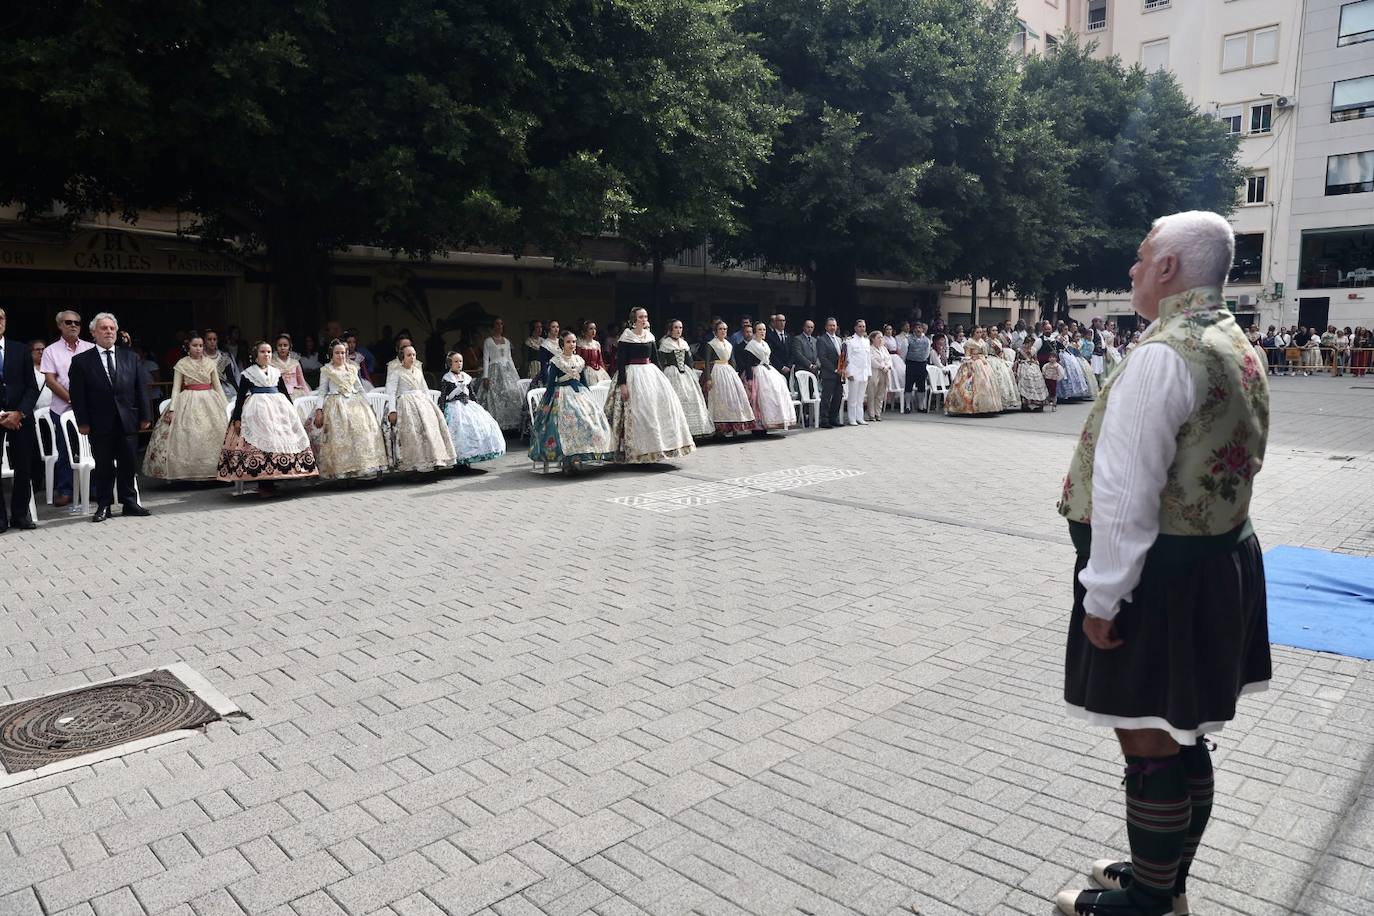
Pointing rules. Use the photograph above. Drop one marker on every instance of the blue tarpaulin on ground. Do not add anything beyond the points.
(1321, 600)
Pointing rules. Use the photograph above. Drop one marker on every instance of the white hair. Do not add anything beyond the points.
(101, 317)
(1201, 241)
(58, 317)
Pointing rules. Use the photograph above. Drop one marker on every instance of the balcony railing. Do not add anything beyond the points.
(1096, 25)
(1157, 4)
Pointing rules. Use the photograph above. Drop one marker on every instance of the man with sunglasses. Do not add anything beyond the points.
(57, 367)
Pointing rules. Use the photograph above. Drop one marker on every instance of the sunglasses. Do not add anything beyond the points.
(76, 321)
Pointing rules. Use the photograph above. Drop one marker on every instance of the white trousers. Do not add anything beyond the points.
(857, 389)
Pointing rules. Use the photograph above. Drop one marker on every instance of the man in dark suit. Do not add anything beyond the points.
(828, 349)
(18, 395)
(780, 346)
(105, 397)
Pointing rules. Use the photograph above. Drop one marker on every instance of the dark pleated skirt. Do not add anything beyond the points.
(1196, 638)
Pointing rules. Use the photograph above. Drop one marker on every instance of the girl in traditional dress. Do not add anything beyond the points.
(422, 439)
(589, 349)
(533, 343)
(569, 427)
(1001, 372)
(675, 357)
(226, 370)
(1083, 363)
(647, 422)
(266, 441)
(768, 395)
(880, 372)
(476, 436)
(285, 362)
(726, 398)
(1030, 381)
(350, 442)
(1054, 374)
(186, 444)
(974, 389)
(501, 394)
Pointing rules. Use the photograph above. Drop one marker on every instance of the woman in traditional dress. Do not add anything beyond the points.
(675, 358)
(501, 394)
(896, 353)
(266, 441)
(533, 343)
(974, 389)
(1001, 372)
(186, 444)
(550, 346)
(570, 427)
(475, 434)
(647, 422)
(310, 355)
(350, 442)
(226, 370)
(1074, 385)
(768, 395)
(726, 398)
(285, 362)
(879, 374)
(422, 439)
(1030, 381)
(589, 349)
(1089, 378)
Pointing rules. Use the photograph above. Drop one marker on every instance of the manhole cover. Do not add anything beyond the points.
(45, 730)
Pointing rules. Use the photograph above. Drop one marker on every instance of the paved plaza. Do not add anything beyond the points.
(815, 674)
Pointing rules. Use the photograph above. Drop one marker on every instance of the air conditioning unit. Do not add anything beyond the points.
(1283, 101)
(1245, 300)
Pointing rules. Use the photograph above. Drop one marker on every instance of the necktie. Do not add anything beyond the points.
(2, 362)
(109, 365)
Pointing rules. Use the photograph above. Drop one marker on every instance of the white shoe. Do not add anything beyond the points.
(1107, 874)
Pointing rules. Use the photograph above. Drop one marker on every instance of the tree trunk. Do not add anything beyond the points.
(300, 280)
(837, 291)
(655, 289)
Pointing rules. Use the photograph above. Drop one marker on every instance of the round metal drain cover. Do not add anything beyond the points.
(37, 732)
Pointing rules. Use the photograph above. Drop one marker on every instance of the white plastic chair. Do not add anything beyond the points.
(7, 472)
(939, 385)
(82, 461)
(47, 446)
(162, 407)
(532, 399)
(377, 401)
(306, 405)
(808, 390)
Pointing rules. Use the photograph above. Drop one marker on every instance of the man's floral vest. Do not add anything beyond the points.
(1220, 446)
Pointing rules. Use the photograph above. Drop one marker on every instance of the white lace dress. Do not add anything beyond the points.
(501, 393)
(187, 448)
(421, 435)
(650, 426)
(676, 359)
(726, 397)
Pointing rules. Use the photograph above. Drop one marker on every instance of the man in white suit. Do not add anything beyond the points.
(857, 370)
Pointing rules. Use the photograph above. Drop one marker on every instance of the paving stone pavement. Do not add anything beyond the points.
(502, 693)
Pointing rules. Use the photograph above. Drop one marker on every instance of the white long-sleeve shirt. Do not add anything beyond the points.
(1149, 402)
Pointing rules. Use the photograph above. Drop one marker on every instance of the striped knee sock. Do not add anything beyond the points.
(1158, 812)
(1197, 765)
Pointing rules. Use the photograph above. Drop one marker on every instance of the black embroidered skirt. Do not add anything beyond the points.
(1196, 638)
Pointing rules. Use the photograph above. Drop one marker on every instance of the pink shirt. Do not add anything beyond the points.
(57, 359)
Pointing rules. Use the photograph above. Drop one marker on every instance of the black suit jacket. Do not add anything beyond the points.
(780, 350)
(20, 387)
(828, 356)
(804, 352)
(105, 407)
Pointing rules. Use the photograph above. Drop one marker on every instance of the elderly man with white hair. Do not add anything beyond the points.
(1169, 624)
(110, 411)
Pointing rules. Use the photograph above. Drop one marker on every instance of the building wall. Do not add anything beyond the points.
(1323, 63)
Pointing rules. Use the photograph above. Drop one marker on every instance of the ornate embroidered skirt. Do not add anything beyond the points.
(569, 426)
(271, 446)
(974, 389)
(188, 447)
(728, 402)
(474, 432)
(770, 399)
(422, 439)
(688, 391)
(650, 426)
(501, 394)
(1006, 385)
(351, 444)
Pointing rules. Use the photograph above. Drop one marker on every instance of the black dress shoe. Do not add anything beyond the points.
(135, 510)
(25, 524)
(101, 514)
